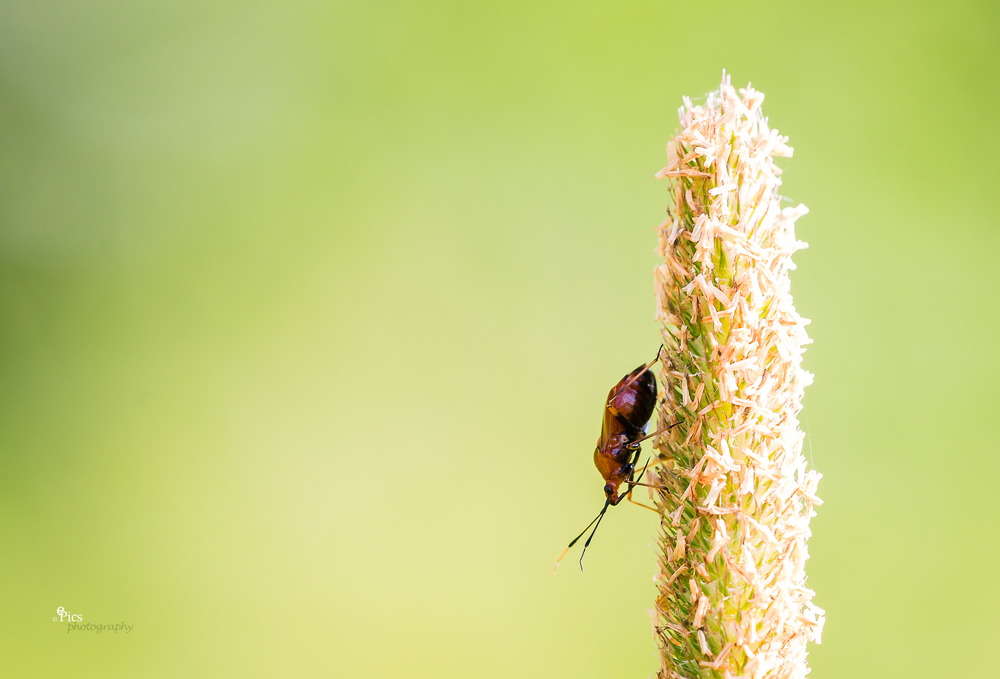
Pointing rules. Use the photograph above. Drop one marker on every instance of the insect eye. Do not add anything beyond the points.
(609, 489)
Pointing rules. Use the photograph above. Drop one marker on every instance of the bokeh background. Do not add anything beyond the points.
(308, 311)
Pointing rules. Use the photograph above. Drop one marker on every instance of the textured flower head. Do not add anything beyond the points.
(738, 495)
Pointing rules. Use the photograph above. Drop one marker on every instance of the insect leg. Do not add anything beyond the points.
(655, 433)
(631, 380)
(632, 484)
(610, 405)
(641, 504)
(630, 468)
(646, 485)
(644, 467)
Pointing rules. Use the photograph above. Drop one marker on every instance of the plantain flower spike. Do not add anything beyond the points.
(736, 495)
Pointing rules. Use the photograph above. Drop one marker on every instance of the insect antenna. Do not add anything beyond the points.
(573, 542)
(587, 543)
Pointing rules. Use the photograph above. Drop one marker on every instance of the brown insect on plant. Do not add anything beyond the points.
(630, 405)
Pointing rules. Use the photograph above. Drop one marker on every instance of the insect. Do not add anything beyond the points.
(630, 405)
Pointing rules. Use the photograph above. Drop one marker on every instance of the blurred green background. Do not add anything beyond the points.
(308, 311)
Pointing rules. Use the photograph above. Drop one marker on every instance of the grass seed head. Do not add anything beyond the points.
(738, 497)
